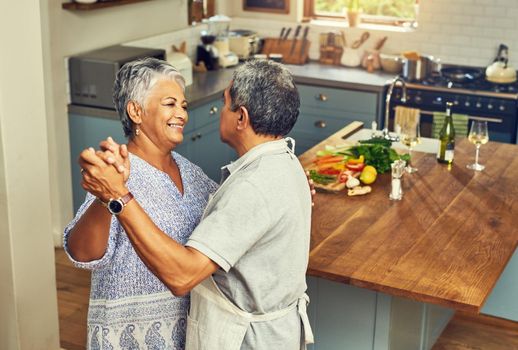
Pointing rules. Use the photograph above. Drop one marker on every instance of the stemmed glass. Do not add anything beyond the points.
(410, 135)
(478, 135)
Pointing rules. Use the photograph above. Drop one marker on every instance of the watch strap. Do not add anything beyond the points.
(126, 198)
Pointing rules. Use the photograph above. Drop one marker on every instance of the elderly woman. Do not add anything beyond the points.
(130, 308)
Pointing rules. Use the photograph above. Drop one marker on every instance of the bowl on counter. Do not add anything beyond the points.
(391, 63)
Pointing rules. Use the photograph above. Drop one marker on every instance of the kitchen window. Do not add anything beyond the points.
(385, 12)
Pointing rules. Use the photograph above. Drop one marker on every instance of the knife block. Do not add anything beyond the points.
(299, 55)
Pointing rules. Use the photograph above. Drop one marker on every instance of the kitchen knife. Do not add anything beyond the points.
(297, 32)
(286, 34)
(280, 36)
(304, 41)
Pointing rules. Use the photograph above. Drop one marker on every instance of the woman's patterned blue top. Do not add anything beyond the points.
(129, 307)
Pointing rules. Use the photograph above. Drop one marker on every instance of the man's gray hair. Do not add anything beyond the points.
(266, 89)
(134, 81)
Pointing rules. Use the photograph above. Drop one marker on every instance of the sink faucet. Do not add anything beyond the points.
(396, 80)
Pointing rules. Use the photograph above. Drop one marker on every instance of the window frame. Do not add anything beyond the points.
(309, 14)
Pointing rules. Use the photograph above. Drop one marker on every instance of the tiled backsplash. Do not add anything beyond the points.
(458, 32)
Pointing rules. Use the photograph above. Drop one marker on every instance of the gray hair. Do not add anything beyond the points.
(266, 89)
(134, 81)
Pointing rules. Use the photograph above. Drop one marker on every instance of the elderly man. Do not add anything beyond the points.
(245, 263)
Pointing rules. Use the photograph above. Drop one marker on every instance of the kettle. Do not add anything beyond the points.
(499, 72)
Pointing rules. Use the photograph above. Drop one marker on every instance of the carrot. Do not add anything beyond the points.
(335, 159)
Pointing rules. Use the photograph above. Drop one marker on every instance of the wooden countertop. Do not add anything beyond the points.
(446, 242)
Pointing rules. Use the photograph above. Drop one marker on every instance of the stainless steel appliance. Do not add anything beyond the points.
(92, 73)
(470, 93)
(245, 43)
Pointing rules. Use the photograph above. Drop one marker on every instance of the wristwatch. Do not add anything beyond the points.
(115, 206)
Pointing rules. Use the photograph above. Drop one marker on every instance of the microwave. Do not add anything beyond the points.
(93, 73)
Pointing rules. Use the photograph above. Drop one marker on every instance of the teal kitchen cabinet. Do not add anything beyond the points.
(324, 111)
(503, 300)
(201, 145)
(88, 131)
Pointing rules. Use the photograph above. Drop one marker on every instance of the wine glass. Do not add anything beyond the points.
(478, 135)
(410, 135)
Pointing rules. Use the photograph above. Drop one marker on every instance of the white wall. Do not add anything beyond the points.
(464, 32)
(71, 32)
(28, 305)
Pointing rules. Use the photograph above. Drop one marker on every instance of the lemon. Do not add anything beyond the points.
(368, 175)
(370, 169)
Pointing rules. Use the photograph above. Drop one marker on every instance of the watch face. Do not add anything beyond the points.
(115, 206)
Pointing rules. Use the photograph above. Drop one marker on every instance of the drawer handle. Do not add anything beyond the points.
(320, 124)
(213, 110)
(321, 97)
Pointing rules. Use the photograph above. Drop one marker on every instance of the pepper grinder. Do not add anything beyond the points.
(398, 168)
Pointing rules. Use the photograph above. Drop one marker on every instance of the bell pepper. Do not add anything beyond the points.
(360, 159)
(329, 171)
(355, 166)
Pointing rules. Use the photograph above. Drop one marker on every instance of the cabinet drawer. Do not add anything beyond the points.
(339, 99)
(319, 127)
(205, 114)
(367, 118)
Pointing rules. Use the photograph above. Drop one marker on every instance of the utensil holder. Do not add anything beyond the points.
(284, 47)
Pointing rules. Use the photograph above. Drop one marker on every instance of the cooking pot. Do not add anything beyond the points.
(244, 43)
(419, 69)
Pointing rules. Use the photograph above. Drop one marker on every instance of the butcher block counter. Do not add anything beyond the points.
(445, 244)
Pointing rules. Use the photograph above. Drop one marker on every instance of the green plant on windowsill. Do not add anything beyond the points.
(353, 12)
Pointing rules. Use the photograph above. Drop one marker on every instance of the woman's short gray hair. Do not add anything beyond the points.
(266, 89)
(134, 81)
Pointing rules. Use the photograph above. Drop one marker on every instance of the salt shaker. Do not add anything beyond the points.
(398, 168)
(374, 129)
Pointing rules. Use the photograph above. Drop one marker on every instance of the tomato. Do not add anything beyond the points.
(355, 167)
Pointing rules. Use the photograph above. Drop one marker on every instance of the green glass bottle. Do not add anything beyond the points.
(447, 138)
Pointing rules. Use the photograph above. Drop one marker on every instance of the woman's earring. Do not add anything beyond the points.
(137, 131)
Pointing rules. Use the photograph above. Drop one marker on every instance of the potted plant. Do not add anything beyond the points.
(353, 12)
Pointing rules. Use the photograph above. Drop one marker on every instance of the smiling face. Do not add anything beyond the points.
(164, 115)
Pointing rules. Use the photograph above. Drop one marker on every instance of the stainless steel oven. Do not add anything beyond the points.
(478, 99)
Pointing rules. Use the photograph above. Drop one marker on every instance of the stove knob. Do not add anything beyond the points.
(418, 99)
(456, 102)
(479, 105)
(467, 103)
(501, 108)
(489, 106)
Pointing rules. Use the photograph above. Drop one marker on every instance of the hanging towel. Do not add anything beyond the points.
(406, 117)
(460, 123)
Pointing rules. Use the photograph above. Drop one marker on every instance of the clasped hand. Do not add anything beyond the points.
(105, 171)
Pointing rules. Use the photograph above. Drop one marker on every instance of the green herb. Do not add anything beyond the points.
(378, 153)
(321, 178)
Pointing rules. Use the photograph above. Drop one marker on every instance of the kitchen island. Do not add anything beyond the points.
(389, 274)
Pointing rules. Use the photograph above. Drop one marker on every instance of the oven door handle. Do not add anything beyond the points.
(483, 119)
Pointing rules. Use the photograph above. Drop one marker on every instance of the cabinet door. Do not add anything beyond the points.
(205, 114)
(88, 131)
(324, 111)
(209, 152)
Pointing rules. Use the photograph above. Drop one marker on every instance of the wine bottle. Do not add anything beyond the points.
(447, 138)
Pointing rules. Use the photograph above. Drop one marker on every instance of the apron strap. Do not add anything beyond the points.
(302, 309)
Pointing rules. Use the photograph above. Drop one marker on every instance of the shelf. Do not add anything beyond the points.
(75, 6)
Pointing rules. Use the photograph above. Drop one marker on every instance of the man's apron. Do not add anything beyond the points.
(214, 322)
